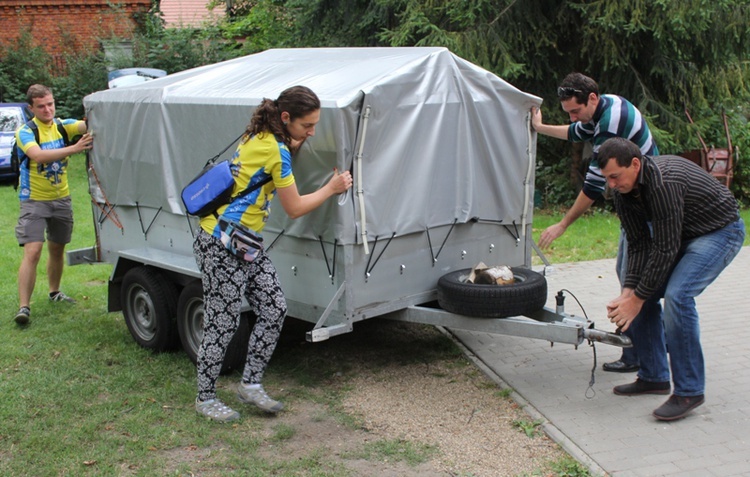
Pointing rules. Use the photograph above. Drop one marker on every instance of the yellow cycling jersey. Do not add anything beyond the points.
(44, 181)
(255, 159)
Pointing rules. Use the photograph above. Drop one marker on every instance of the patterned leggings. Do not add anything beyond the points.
(225, 280)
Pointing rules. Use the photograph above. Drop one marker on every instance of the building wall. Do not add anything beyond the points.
(70, 25)
(188, 13)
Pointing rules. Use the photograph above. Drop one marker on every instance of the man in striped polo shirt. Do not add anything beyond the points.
(595, 118)
(696, 232)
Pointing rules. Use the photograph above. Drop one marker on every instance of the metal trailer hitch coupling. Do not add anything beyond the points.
(607, 338)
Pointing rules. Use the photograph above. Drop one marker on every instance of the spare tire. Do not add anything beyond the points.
(527, 294)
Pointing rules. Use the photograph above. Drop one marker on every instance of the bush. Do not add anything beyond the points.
(178, 49)
(21, 65)
(86, 73)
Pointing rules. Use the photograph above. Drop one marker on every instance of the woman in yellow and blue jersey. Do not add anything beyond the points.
(277, 128)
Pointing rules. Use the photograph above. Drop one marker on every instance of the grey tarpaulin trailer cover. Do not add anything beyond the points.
(441, 152)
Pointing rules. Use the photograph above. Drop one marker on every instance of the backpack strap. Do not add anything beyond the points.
(60, 128)
(247, 191)
(35, 129)
(213, 159)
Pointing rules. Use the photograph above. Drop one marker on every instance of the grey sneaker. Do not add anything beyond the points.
(216, 410)
(22, 317)
(255, 394)
(60, 296)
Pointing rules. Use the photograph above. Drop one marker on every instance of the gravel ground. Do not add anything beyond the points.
(405, 382)
(455, 407)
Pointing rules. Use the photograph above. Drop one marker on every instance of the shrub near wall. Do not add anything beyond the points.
(65, 26)
(21, 64)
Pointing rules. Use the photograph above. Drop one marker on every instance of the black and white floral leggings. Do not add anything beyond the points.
(225, 279)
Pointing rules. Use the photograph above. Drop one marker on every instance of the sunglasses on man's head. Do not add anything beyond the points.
(567, 92)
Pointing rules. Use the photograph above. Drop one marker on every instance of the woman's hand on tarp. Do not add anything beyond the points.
(340, 182)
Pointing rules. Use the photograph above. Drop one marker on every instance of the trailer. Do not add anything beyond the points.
(441, 152)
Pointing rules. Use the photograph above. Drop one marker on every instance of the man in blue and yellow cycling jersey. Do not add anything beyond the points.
(44, 194)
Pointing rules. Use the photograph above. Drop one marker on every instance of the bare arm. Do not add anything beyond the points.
(43, 156)
(560, 132)
(581, 205)
(296, 205)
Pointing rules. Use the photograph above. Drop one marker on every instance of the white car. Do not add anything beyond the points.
(131, 76)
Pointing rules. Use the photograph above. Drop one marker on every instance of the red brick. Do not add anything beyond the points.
(54, 23)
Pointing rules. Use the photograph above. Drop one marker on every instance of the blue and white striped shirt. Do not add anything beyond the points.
(615, 116)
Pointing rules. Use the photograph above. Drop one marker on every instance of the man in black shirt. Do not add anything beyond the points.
(697, 231)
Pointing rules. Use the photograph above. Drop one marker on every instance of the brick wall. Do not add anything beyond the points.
(70, 25)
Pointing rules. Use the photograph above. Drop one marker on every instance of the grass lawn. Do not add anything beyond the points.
(592, 237)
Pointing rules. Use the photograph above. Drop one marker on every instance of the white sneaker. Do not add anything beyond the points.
(216, 410)
(255, 394)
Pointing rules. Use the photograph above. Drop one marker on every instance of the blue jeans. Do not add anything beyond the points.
(629, 355)
(699, 262)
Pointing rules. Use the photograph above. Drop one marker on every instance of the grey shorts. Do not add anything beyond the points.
(54, 216)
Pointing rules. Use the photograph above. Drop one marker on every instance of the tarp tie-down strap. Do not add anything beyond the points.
(140, 219)
(276, 239)
(108, 212)
(368, 268)
(514, 233)
(331, 271)
(429, 241)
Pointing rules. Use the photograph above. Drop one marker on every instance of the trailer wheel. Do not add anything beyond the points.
(527, 294)
(149, 302)
(190, 328)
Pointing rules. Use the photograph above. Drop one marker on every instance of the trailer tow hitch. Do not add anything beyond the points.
(589, 333)
(606, 337)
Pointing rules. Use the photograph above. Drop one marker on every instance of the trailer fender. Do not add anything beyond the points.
(527, 294)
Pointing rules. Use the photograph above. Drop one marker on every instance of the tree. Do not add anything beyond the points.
(664, 55)
(339, 23)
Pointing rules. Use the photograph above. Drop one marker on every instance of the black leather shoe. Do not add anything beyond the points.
(642, 387)
(620, 367)
(677, 407)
